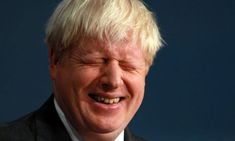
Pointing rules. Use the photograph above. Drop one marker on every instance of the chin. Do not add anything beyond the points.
(107, 127)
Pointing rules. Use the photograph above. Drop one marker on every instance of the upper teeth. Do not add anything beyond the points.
(107, 100)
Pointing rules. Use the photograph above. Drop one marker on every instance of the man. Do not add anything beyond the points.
(100, 52)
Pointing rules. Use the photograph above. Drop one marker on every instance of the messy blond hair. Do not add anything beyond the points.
(114, 20)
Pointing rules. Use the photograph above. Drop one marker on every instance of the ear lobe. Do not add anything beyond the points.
(52, 63)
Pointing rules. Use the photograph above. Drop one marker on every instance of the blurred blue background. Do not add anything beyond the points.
(190, 92)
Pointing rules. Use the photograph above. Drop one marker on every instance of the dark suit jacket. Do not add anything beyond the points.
(43, 125)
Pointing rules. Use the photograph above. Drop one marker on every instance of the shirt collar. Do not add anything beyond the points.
(70, 129)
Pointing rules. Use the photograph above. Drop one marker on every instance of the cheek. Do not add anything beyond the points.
(71, 88)
(84, 78)
(139, 93)
(136, 87)
(73, 82)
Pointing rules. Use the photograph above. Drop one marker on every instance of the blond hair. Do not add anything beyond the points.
(73, 20)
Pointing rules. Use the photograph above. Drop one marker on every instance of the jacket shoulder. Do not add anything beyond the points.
(129, 136)
(19, 130)
(40, 125)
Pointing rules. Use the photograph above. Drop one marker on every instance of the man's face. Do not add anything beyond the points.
(99, 85)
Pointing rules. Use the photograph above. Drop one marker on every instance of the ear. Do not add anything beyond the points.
(52, 63)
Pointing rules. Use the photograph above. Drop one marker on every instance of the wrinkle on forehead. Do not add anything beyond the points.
(82, 43)
(124, 46)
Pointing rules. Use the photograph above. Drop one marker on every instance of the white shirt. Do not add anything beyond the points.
(70, 129)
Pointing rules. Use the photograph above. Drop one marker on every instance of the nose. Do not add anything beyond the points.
(111, 77)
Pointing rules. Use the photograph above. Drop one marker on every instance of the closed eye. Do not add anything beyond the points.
(127, 67)
(132, 67)
(93, 61)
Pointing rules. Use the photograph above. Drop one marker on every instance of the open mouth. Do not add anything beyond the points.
(105, 100)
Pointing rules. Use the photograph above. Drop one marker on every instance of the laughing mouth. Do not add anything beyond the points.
(104, 100)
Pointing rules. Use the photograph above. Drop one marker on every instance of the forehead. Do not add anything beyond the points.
(124, 48)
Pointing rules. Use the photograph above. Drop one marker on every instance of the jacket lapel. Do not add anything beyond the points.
(48, 124)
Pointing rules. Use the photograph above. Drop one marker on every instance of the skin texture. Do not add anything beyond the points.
(104, 69)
